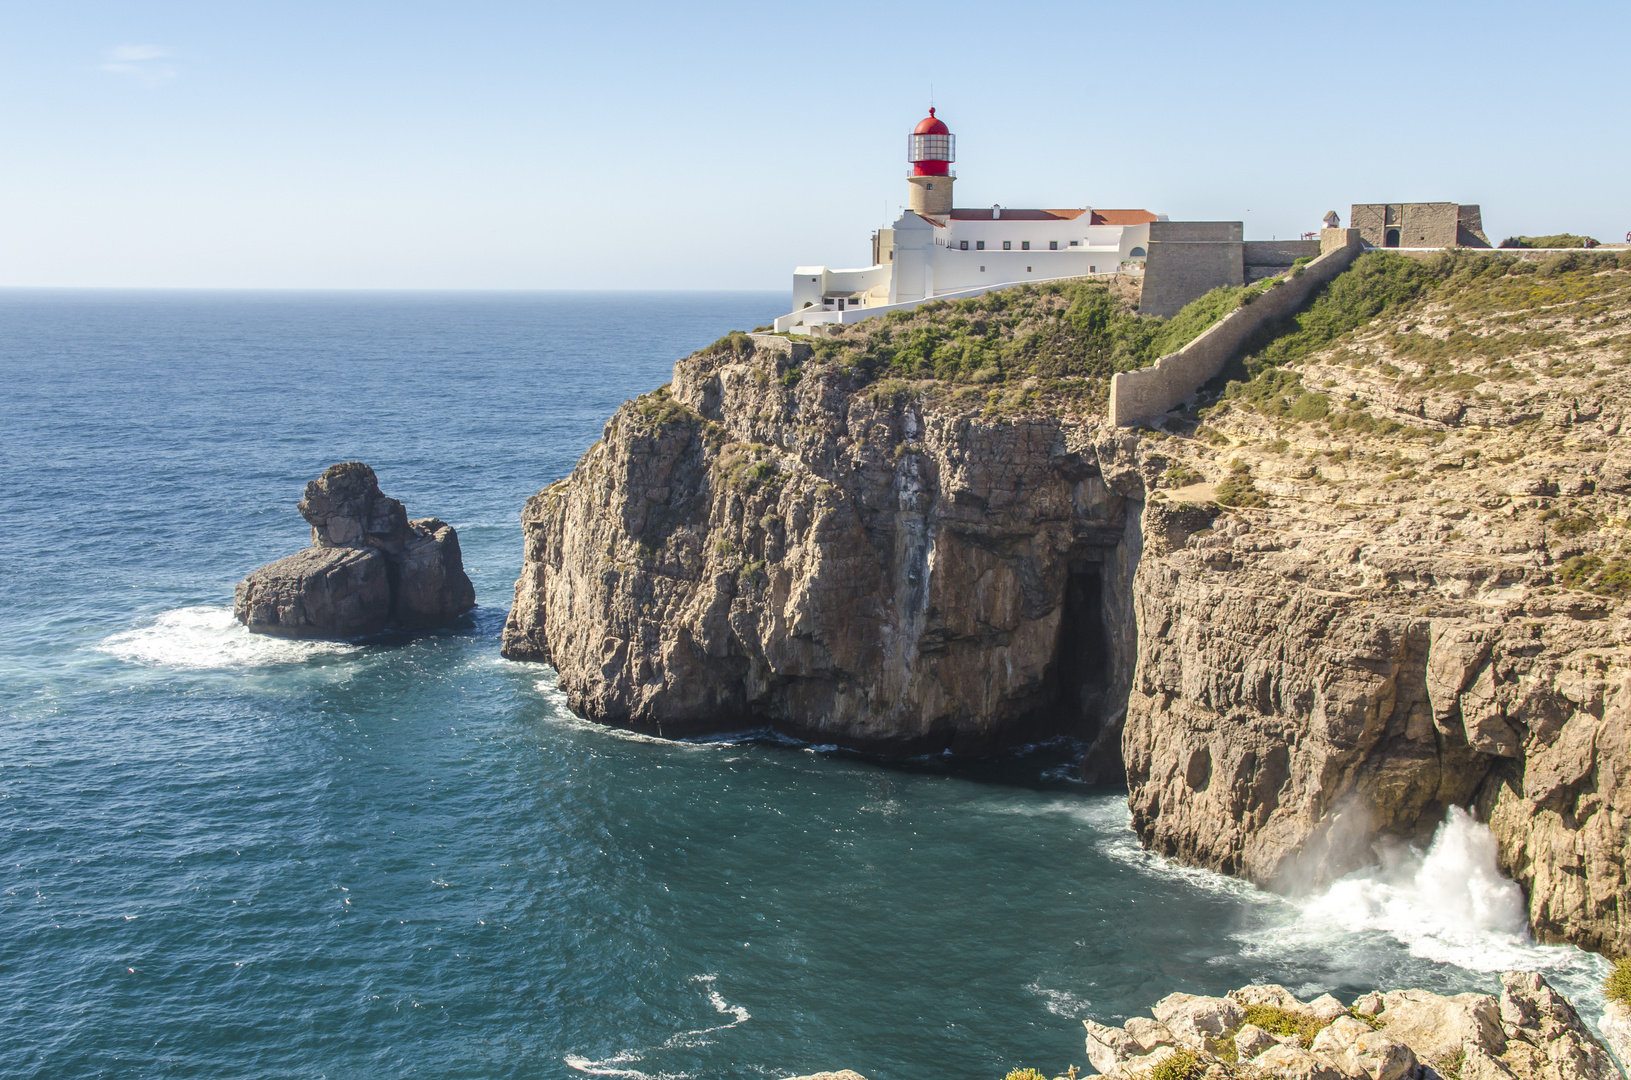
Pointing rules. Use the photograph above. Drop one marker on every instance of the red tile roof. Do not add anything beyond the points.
(1017, 215)
(1122, 217)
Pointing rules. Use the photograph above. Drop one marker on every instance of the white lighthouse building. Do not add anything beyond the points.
(936, 250)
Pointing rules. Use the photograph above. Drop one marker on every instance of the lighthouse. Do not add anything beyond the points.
(931, 150)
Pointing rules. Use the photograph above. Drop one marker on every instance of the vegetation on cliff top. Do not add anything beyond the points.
(1263, 378)
(1059, 341)
(1555, 240)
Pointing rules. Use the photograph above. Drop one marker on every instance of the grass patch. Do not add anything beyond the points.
(1449, 1065)
(1609, 577)
(1179, 1065)
(1237, 489)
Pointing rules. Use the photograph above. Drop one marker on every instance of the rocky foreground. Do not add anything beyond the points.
(368, 567)
(1385, 574)
(1530, 1032)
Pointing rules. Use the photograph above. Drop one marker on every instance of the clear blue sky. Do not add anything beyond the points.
(614, 145)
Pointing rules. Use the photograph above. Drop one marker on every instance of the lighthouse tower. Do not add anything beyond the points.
(931, 150)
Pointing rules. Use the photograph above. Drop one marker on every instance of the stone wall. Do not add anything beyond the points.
(1280, 252)
(1428, 225)
(1188, 259)
(1173, 379)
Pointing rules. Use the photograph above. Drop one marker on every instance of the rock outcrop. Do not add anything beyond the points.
(1529, 1033)
(368, 567)
(1389, 580)
(753, 547)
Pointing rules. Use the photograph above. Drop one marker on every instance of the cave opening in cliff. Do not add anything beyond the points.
(1082, 664)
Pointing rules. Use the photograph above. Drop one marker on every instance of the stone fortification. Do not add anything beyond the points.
(1188, 259)
(1419, 225)
(1140, 395)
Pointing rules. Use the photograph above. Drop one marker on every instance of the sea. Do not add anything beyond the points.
(230, 856)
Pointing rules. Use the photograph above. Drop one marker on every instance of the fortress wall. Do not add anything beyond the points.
(1173, 379)
(1188, 259)
(1280, 252)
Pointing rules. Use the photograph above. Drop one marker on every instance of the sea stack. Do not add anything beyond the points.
(368, 567)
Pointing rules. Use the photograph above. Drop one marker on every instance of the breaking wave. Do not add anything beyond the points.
(616, 1064)
(209, 638)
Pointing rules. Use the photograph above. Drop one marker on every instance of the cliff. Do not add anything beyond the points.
(1382, 575)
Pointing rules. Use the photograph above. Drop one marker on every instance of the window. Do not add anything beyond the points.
(964, 245)
(1007, 245)
(982, 270)
(1024, 245)
(1137, 253)
(930, 186)
(1027, 269)
(1075, 243)
(979, 245)
(1053, 245)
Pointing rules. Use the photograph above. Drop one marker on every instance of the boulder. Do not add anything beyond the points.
(1252, 1040)
(1339, 1035)
(1616, 1029)
(1295, 1063)
(841, 1074)
(1199, 1022)
(1108, 1047)
(432, 586)
(1268, 994)
(1327, 1008)
(367, 567)
(318, 592)
(1368, 1004)
(347, 509)
(1536, 1015)
(1376, 1055)
(1437, 1027)
(1149, 1033)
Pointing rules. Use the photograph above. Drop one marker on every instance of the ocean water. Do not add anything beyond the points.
(225, 856)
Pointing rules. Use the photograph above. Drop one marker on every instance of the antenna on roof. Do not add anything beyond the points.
(931, 95)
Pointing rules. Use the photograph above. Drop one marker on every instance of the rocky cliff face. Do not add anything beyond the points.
(761, 544)
(1380, 582)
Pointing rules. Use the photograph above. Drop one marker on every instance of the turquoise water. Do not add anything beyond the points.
(226, 856)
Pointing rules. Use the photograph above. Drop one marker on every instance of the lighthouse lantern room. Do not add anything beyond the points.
(931, 150)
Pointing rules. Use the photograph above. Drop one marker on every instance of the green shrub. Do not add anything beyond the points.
(1592, 573)
(1025, 1074)
(1181, 476)
(1555, 240)
(1617, 987)
(1238, 490)
(1179, 1065)
(1449, 1065)
(1311, 407)
(1278, 1021)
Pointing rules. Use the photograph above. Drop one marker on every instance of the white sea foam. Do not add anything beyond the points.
(1449, 904)
(209, 638)
(1061, 1002)
(614, 1065)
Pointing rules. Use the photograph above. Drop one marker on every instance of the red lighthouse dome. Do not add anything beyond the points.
(932, 147)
